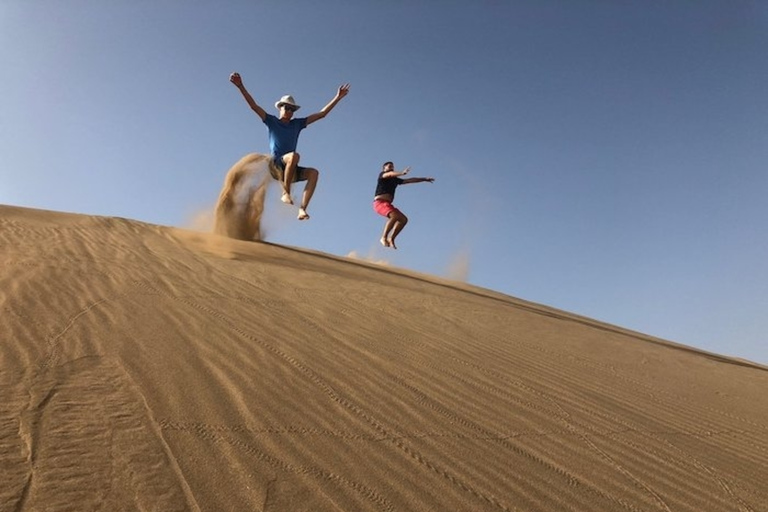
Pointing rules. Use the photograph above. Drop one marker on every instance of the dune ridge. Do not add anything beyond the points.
(144, 367)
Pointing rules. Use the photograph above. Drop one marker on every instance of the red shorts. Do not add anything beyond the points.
(384, 208)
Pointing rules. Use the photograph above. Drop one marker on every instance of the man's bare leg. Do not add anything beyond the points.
(291, 161)
(312, 176)
(387, 229)
(400, 222)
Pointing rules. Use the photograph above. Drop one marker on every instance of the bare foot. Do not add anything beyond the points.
(286, 198)
(384, 242)
(303, 215)
(392, 243)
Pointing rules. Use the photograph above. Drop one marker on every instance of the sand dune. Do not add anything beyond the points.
(155, 369)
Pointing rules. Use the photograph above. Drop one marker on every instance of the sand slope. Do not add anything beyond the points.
(154, 369)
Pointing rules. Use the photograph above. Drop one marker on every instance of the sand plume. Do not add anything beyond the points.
(241, 200)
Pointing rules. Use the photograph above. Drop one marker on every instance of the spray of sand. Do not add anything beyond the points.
(241, 201)
(370, 257)
(458, 267)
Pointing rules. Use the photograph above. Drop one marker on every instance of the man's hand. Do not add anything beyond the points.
(235, 79)
(343, 90)
(405, 171)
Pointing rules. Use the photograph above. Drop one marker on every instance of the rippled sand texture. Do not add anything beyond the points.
(155, 369)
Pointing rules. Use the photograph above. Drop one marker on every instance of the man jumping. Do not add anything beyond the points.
(283, 138)
(388, 181)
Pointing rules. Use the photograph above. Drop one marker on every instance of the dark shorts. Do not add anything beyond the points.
(278, 169)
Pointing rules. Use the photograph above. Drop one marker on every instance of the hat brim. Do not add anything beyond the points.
(281, 103)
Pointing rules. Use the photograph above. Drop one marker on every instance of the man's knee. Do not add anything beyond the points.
(400, 217)
(291, 158)
(311, 174)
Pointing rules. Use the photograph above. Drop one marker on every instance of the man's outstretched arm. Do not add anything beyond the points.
(417, 180)
(395, 174)
(238, 81)
(343, 90)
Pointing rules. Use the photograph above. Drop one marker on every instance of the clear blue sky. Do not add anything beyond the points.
(605, 158)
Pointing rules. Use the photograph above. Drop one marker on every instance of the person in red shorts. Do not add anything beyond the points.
(389, 180)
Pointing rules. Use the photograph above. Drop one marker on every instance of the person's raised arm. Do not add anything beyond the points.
(343, 90)
(238, 81)
(395, 174)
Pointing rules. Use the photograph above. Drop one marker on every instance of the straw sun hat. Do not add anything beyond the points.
(287, 100)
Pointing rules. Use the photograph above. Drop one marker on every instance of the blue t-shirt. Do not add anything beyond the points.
(283, 137)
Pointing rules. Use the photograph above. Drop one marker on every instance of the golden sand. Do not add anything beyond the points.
(156, 369)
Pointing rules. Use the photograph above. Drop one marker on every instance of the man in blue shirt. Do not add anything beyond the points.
(283, 138)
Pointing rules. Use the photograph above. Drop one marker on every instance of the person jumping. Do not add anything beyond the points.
(388, 181)
(283, 138)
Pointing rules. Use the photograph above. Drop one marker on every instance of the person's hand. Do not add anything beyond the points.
(235, 79)
(406, 171)
(431, 180)
(343, 90)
